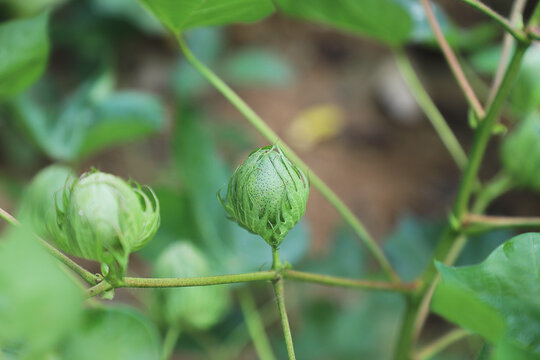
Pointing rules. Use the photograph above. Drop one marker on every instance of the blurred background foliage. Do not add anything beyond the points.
(101, 83)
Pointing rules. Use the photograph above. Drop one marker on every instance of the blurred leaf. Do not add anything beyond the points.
(39, 303)
(93, 118)
(198, 307)
(351, 331)
(114, 333)
(497, 297)
(315, 124)
(505, 350)
(24, 48)
(131, 11)
(257, 67)
(179, 15)
(520, 153)
(526, 95)
(385, 20)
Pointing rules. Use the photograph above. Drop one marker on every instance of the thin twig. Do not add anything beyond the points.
(79, 270)
(508, 25)
(508, 42)
(273, 138)
(278, 289)
(476, 223)
(453, 62)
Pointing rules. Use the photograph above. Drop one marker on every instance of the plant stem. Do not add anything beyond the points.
(453, 62)
(273, 138)
(171, 337)
(278, 289)
(97, 289)
(440, 344)
(492, 190)
(518, 34)
(350, 283)
(430, 109)
(79, 270)
(475, 223)
(508, 42)
(132, 282)
(451, 233)
(255, 325)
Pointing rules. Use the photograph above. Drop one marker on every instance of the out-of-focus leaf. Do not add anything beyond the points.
(130, 10)
(316, 124)
(506, 350)
(388, 21)
(39, 303)
(93, 118)
(198, 307)
(114, 333)
(520, 153)
(24, 48)
(179, 15)
(525, 97)
(352, 330)
(498, 297)
(30, 7)
(257, 67)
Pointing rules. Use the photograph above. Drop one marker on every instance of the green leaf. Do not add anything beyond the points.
(114, 333)
(131, 11)
(24, 48)
(93, 118)
(39, 304)
(385, 20)
(498, 297)
(179, 15)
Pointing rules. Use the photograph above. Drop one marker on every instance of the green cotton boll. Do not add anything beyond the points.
(267, 195)
(520, 153)
(198, 307)
(102, 217)
(38, 205)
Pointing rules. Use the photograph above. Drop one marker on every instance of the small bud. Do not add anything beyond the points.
(520, 153)
(198, 307)
(267, 195)
(101, 217)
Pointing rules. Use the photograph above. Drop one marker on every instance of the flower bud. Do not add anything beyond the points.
(101, 217)
(520, 153)
(267, 195)
(198, 307)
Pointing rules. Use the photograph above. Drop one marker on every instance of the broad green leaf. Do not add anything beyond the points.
(180, 15)
(498, 297)
(198, 307)
(39, 303)
(93, 118)
(388, 21)
(24, 48)
(520, 153)
(118, 333)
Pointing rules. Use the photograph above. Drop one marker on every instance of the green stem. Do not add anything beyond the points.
(492, 190)
(442, 343)
(132, 282)
(474, 223)
(430, 109)
(255, 325)
(273, 138)
(451, 233)
(518, 34)
(350, 283)
(79, 270)
(278, 289)
(171, 337)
